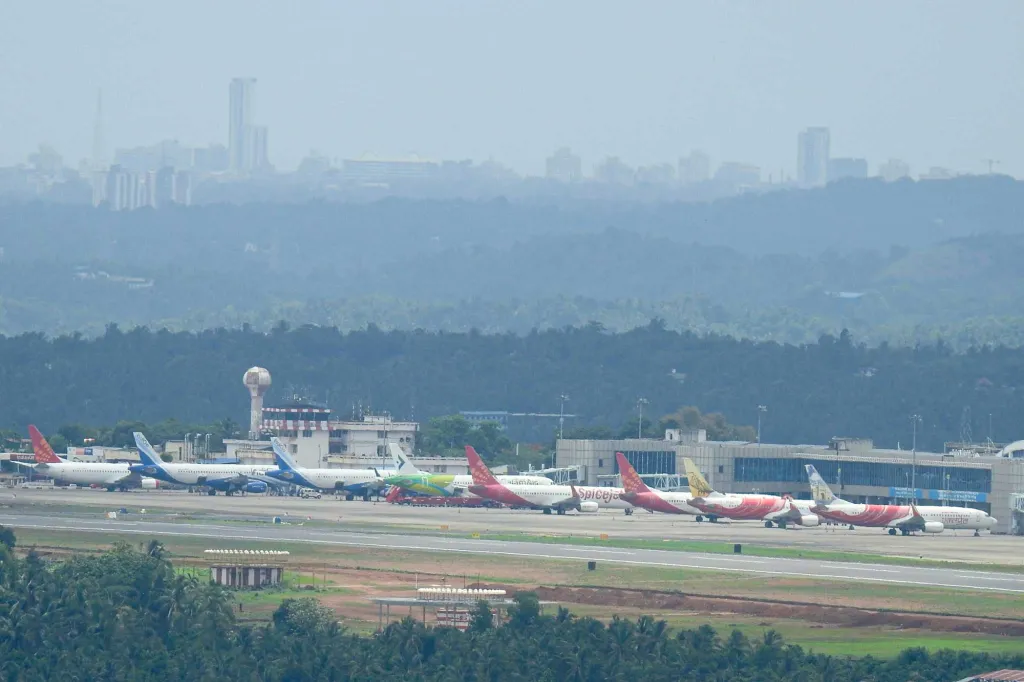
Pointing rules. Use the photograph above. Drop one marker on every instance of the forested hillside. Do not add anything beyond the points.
(127, 615)
(903, 262)
(834, 387)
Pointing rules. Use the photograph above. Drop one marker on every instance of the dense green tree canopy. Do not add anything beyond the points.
(813, 392)
(127, 615)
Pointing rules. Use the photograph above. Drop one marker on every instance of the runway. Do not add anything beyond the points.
(769, 566)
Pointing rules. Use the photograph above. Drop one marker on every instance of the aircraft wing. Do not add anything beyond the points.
(28, 466)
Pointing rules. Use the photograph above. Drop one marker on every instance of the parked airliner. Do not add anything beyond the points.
(110, 475)
(351, 482)
(772, 509)
(410, 478)
(637, 493)
(227, 478)
(905, 518)
(557, 498)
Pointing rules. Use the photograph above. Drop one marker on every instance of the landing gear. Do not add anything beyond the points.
(713, 519)
(892, 531)
(366, 496)
(977, 534)
(767, 524)
(561, 512)
(629, 512)
(349, 497)
(547, 511)
(211, 492)
(699, 518)
(110, 488)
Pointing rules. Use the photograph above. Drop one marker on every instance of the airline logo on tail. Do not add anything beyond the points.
(281, 456)
(146, 452)
(481, 474)
(698, 485)
(402, 465)
(820, 491)
(44, 453)
(631, 481)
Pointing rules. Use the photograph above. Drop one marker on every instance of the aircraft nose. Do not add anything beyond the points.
(992, 520)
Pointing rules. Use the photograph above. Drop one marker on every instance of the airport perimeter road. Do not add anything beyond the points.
(803, 568)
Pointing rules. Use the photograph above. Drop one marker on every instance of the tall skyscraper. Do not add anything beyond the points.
(812, 157)
(98, 162)
(240, 105)
(260, 159)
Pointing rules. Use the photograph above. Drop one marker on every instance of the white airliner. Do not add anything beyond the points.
(363, 482)
(903, 518)
(228, 478)
(558, 498)
(771, 509)
(109, 475)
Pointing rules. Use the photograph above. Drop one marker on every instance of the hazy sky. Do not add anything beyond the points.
(932, 82)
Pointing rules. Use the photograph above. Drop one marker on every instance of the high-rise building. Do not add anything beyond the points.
(658, 174)
(614, 170)
(812, 157)
(841, 169)
(894, 169)
(240, 106)
(260, 160)
(564, 166)
(694, 168)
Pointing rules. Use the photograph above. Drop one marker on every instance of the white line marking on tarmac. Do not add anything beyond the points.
(865, 568)
(776, 573)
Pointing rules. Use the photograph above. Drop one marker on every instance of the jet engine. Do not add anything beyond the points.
(255, 487)
(148, 483)
(933, 527)
(588, 507)
(809, 521)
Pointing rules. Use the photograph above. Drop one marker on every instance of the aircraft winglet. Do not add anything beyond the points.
(44, 453)
(481, 474)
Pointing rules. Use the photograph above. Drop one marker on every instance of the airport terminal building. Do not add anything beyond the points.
(856, 470)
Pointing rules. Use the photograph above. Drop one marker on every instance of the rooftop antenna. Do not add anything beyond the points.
(991, 162)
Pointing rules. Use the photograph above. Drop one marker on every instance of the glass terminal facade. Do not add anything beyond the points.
(650, 462)
(881, 474)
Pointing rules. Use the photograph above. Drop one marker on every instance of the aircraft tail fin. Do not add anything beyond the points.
(403, 466)
(820, 491)
(44, 453)
(146, 452)
(282, 456)
(699, 487)
(631, 480)
(481, 474)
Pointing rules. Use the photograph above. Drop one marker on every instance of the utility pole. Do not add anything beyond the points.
(761, 409)
(991, 162)
(640, 424)
(561, 414)
(914, 418)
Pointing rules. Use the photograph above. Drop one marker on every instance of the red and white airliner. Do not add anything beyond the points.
(772, 509)
(549, 498)
(109, 475)
(905, 518)
(637, 493)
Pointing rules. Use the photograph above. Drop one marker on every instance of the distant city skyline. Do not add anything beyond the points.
(932, 83)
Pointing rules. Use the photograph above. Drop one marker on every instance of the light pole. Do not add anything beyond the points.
(640, 424)
(561, 414)
(761, 409)
(914, 418)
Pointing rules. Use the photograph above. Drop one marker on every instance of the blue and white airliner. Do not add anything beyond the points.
(226, 478)
(350, 482)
